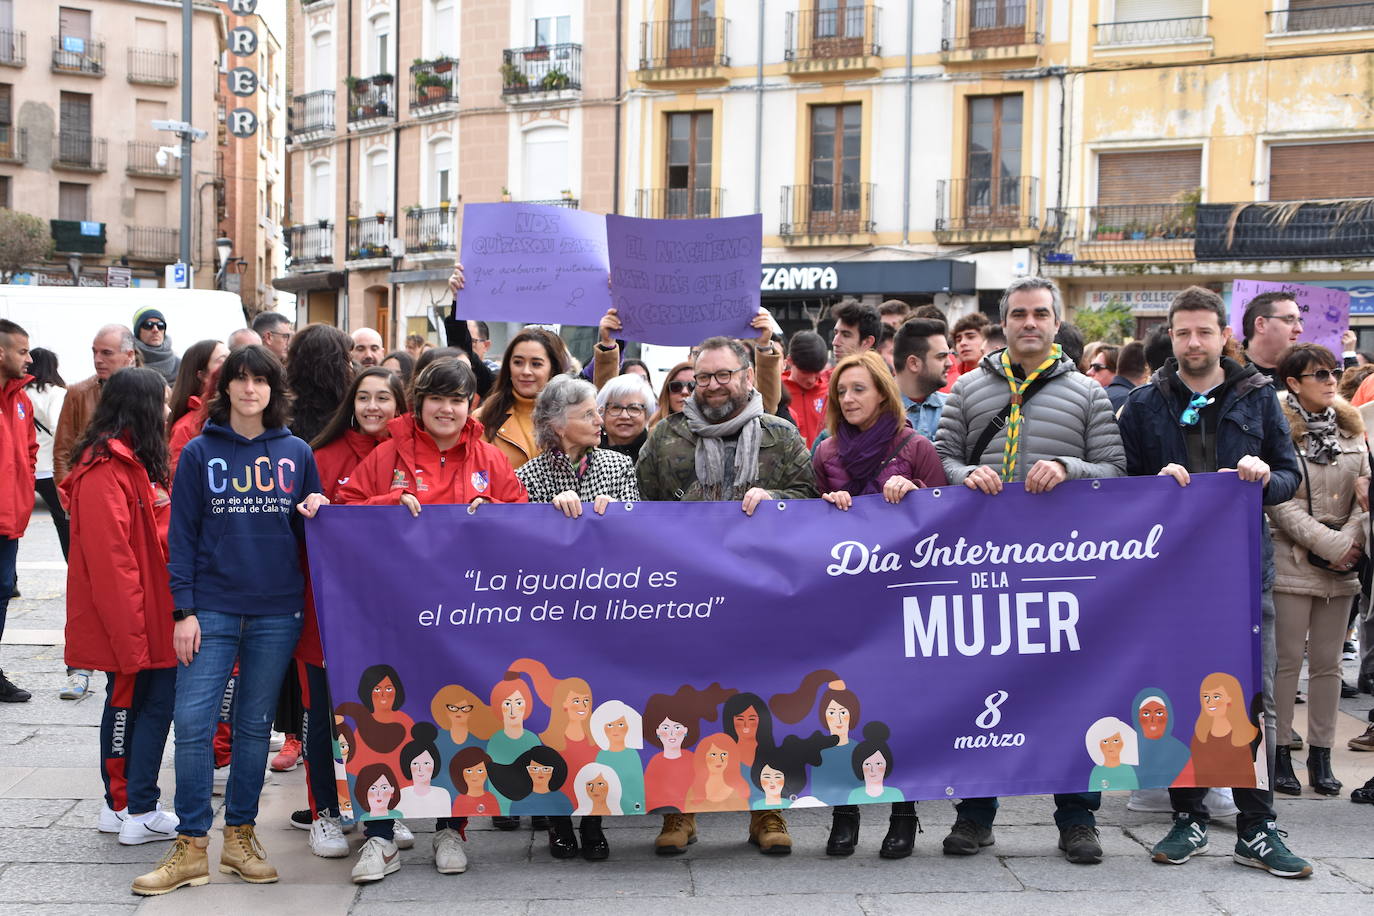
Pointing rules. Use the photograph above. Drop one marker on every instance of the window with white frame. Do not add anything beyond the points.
(320, 200)
(377, 192)
(320, 68)
(545, 160)
(550, 21)
(440, 178)
(378, 49)
(443, 28)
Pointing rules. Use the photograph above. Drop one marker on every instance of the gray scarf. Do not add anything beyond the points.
(160, 358)
(710, 454)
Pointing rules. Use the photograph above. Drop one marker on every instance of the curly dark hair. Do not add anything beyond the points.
(319, 370)
(254, 360)
(130, 406)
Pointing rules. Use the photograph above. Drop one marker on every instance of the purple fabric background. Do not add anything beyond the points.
(1164, 623)
(1325, 312)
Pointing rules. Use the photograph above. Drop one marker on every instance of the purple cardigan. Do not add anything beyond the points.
(916, 461)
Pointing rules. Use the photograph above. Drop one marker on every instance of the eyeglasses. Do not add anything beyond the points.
(622, 410)
(153, 323)
(1287, 319)
(680, 387)
(1096, 367)
(1192, 413)
(1324, 375)
(466, 707)
(721, 376)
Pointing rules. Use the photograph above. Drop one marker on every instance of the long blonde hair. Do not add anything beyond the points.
(662, 413)
(482, 722)
(553, 691)
(1243, 731)
(882, 380)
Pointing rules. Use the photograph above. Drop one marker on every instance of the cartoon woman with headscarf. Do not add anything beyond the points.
(1162, 756)
(837, 710)
(619, 731)
(570, 710)
(871, 760)
(512, 700)
(463, 721)
(672, 722)
(380, 727)
(1111, 744)
(1221, 749)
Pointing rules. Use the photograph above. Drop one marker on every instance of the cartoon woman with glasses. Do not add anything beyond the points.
(463, 721)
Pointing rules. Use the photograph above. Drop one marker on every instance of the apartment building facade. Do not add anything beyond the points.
(80, 84)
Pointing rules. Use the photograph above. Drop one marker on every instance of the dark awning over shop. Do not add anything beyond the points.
(306, 283)
(787, 280)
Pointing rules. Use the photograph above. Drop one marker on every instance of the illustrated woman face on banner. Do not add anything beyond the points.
(771, 781)
(837, 720)
(1154, 719)
(671, 735)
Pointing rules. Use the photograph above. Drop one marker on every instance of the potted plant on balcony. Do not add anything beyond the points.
(1108, 234)
(382, 79)
(513, 78)
(413, 209)
(356, 85)
(567, 193)
(540, 52)
(442, 65)
(444, 206)
(554, 80)
(432, 87)
(505, 194)
(323, 223)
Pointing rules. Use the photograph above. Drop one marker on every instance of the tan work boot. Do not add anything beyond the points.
(679, 831)
(184, 865)
(768, 831)
(244, 856)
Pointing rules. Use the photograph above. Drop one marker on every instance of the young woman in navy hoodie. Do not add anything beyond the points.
(238, 588)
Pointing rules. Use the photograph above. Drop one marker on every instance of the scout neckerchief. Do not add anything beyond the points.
(1018, 388)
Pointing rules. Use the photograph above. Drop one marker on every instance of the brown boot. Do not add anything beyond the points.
(768, 831)
(244, 856)
(184, 865)
(679, 831)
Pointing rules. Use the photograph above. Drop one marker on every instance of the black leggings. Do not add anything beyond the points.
(47, 488)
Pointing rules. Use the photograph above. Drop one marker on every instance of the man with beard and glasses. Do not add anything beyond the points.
(723, 446)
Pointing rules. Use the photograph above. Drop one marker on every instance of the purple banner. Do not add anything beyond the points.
(682, 656)
(679, 281)
(1325, 312)
(532, 263)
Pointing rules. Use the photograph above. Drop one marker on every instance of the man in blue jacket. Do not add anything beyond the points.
(1201, 413)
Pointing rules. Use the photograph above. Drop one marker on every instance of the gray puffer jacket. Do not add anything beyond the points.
(1068, 420)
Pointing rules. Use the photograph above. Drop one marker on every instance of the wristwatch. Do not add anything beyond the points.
(182, 613)
(604, 348)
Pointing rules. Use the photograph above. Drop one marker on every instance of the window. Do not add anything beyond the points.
(692, 33)
(1154, 10)
(73, 23)
(689, 165)
(440, 172)
(992, 194)
(552, 30)
(146, 111)
(839, 28)
(1322, 15)
(379, 43)
(6, 105)
(996, 23)
(443, 28)
(321, 65)
(150, 34)
(73, 201)
(5, 191)
(74, 142)
(545, 172)
(1148, 176)
(150, 208)
(378, 178)
(836, 143)
(320, 199)
(1322, 171)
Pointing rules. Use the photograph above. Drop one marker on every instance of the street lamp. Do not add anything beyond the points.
(224, 248)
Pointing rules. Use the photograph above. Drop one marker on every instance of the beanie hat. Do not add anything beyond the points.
(144, 314)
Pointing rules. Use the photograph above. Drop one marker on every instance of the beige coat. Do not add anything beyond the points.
(1333, 501)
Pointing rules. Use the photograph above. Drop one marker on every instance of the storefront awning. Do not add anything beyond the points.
(936, 275)
(305, 283)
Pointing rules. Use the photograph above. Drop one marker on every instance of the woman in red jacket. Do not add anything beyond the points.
(374, 400)
(119, 602)
(440, 458)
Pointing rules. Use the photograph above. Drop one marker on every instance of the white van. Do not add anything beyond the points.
(65, 319)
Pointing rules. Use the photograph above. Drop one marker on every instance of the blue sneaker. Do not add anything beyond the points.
(78, 686)
(1187, 838)
(1264, 848)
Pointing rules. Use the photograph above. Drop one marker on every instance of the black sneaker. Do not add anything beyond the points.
(302, 819)
(1079, 844)
(10, 693)
(966, 838)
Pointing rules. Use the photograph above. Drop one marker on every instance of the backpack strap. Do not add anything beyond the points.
(998, 422)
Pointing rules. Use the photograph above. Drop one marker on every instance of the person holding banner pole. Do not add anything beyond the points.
(992, 433)
(722, 446)
(1202, 412)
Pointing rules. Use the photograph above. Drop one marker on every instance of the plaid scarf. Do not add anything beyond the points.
(1012, 448)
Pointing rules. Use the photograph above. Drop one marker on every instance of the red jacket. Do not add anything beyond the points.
(956, 369)
(186, 428)
(119, 599)
(18, 457)
(409, 462)
(808, 404)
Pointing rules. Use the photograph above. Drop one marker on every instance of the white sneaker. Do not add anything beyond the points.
(78, 686)
(275, 742)
(1220, 803)
(219, 780)
(148, 828)
(377, 859)
(1152, 801)
(326, 838)
(402, 835)
(111, 820)
(449, 857)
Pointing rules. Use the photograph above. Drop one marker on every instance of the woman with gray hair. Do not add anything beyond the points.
(625, 403)
(570, 469)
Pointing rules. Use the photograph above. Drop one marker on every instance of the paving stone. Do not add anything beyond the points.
(574, 878)
(1022, 902)
(1312, 904)
(59, 909)
(746, 875)
(65, 844)
(444, 907)
(1214, 871)
(776, 905)
(32, 812)
(1359, 871)
(44, 883)
(237, 898)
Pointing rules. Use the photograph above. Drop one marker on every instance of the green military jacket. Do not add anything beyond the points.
(667, 464)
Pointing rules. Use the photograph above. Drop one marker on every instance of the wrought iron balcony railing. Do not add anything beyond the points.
(545, 68)
(14, 143)
(141, 159)
(1338, 17)
(310, 244)
(312, 113)
(975, 204)
(78, 55)
(670, 43)
(433, 83)
(1120, 233)
(1287, 230)
(78, 150)
(155, 68)
(13, 47)
(370, 237)
(826, 209)
(431, 229)
(677, 203)
(996, 24)
(1179, 30)
(152, 243)
(569, 202)
(371, 98)
(828, 34)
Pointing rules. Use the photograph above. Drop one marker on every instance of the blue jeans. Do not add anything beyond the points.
(9, 557)
(133, 735)
(263, 646)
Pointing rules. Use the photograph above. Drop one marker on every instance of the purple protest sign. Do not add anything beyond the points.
(1325, 312)
(532, 263)
(955, 645)
(679, 281)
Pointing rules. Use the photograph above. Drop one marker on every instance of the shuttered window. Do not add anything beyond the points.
(1320, 171)
(1147, 177)
(1148, 10)
(6, 104)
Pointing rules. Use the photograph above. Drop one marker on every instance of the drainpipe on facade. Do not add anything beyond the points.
(397, 330)
(341, 317)
(758, 121)
(619, 101)
(906, 132)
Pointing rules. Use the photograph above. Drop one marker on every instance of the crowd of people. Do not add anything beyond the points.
(178, 487)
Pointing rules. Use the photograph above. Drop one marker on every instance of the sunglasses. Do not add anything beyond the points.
(1192, 413)
(153, 323)
(680, 387)
(1096, 367)
(1324, 375)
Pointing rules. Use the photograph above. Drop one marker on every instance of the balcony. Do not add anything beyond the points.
(683, 51)
(141, 160)
(369, 239)
(80, 56)
(152, 243)
(570, 203)
(539, 74)
(1287, 230)
(842, 42)
(818, 214)
(431, 231)
(1342, 17)
(434, 87)
(13, 48)
(310, 245)
(14, 144)
(371, 102)
(152, 68)
(999, 209)
(78, 152)
(1125, 233)
(677, 203)
(1184, 30)
(311, 117)
(978, 31)
(77, 236)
